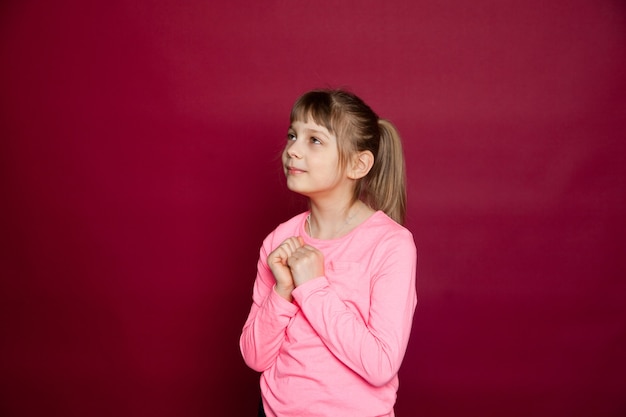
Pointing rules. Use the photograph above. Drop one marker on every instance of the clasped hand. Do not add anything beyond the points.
(293, 263)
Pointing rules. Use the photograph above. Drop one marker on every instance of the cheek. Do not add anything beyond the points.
(285, 160)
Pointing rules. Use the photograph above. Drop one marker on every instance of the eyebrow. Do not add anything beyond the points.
(308, 129)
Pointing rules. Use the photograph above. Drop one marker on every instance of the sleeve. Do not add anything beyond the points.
(264, 330)
(373, 349)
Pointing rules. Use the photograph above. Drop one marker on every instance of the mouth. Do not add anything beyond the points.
(293, 170)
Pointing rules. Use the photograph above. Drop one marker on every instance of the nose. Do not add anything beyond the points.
(293, 149)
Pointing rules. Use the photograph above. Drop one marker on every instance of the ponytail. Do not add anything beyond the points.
(385, 187)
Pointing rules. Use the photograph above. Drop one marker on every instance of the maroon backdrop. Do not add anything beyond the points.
(139, 175)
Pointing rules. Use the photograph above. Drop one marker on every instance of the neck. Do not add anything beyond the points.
(331, 222)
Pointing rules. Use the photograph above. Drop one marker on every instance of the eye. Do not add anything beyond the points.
(316, 141)
(291, 137)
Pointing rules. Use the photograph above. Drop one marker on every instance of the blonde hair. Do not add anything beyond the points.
(359, 129)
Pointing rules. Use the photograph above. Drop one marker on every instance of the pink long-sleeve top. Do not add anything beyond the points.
(337, 348)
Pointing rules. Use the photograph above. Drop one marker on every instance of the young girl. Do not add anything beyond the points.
(334, 295)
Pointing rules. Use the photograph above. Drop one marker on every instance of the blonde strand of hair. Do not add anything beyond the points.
(386, 187)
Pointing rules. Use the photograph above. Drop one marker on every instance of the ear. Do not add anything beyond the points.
(361, 164)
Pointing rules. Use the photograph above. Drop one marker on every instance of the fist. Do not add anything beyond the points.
(277, 261)
(305, 263)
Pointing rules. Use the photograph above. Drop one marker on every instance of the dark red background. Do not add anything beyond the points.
(139, 174)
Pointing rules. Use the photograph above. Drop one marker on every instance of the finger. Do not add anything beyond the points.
(283, 252)
(291, 245)
(309, 249)
(297, 242)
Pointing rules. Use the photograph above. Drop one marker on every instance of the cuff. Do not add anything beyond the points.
(301, 292)
(279, 304)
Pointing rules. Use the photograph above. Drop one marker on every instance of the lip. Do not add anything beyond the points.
(294, 171)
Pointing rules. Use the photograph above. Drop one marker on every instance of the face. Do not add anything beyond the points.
(311, 161)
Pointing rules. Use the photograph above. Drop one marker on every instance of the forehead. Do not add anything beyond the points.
(318, 113)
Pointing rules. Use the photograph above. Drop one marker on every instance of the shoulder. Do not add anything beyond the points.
(289, 228)
(382, 228)
(386, 239)
(391, 246)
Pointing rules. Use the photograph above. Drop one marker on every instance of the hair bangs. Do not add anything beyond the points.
(317, 106)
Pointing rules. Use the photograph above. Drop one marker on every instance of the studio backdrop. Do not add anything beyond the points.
(140, 172)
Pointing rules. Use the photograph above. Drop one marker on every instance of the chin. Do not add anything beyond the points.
(296, 189)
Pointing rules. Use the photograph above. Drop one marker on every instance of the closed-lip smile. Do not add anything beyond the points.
(294, 170)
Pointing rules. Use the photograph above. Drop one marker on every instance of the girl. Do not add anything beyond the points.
(334, 295)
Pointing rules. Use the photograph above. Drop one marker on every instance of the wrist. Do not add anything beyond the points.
(284, 291)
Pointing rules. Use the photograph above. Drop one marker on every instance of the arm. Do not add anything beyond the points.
(264, 330)
(375, 349)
